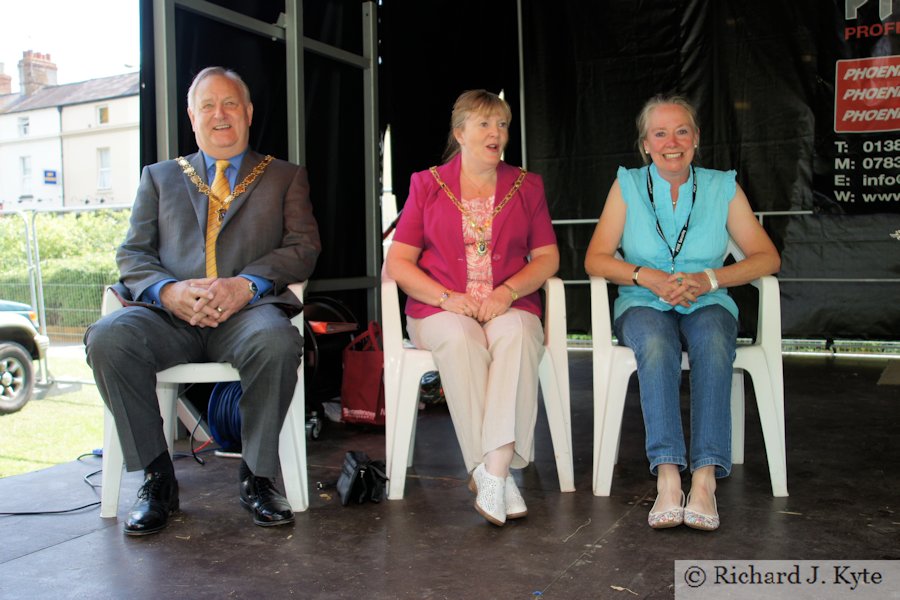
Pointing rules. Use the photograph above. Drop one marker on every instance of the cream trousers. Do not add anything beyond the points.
(489, 373)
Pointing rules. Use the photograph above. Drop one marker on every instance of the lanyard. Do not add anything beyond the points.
(680, 241)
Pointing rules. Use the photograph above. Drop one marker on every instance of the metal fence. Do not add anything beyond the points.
(59, 261)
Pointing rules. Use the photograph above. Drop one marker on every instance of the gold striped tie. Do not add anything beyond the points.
(217, 206)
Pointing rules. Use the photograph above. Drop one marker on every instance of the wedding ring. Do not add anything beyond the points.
(493, 315)
(219, 308)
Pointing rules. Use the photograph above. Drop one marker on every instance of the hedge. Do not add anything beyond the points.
(77, 254)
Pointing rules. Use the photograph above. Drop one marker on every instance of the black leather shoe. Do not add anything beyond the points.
(156, 501)
(268, 506)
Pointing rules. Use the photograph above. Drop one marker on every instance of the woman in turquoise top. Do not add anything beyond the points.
(672, 221)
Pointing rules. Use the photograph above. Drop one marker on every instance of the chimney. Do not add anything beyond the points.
(5, 82)
(35, 72)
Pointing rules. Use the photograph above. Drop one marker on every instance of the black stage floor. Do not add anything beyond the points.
(843, 451)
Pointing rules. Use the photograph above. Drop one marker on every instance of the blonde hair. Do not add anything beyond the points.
(480, 102)
(652, 104)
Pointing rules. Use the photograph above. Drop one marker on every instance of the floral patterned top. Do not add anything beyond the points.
(479, 280)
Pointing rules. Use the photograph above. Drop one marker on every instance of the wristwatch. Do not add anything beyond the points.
(713, 281)
(634, 274)
(512, 293)
(253, 289)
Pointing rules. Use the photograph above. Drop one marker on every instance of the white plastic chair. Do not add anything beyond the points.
(613, 366)
(404, 366)
(291, 442)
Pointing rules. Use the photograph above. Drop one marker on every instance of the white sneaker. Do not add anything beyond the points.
(515, 504)
(491, 500)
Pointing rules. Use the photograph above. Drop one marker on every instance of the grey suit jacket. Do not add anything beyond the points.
(269, 230)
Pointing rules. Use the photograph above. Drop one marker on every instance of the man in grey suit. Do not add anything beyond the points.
(207, 260)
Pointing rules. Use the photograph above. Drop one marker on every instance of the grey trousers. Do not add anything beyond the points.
(127, 348)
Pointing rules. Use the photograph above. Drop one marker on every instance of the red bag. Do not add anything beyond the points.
(362, 386)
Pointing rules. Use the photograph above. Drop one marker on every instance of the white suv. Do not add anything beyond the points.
(20, 345)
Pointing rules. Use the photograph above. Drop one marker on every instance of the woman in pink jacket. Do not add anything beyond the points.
(473, 246)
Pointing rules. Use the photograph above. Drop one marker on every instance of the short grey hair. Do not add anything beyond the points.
(222, 71)
(651, 105)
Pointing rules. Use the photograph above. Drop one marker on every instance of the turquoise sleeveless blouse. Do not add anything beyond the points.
(705, 243)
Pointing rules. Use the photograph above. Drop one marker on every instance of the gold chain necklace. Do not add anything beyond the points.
(223, 204)
(481, 245)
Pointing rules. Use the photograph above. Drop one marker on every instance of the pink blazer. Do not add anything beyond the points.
(431, 222)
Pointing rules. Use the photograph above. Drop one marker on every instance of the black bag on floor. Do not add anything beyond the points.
(362, 479)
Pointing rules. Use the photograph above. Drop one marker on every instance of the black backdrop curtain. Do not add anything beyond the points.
(431, 52)
(762, 74)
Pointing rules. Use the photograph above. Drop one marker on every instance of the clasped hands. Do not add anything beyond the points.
(206, 302)
(497, 303)
(678, 288)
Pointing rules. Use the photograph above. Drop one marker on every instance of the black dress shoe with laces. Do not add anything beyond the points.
(156, 501)
(268, 506)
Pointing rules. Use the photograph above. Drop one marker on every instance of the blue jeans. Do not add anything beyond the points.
(709, 336)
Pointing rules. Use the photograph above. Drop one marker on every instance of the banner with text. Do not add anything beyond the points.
(862, 173)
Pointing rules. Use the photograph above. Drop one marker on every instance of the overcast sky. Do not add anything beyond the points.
(85, 38)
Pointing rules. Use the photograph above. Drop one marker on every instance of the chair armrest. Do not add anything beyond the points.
(110, 302)
(768, 326)
(734, 251)
(391, 321)
(298, 289)
(601, 319)
(555, 312)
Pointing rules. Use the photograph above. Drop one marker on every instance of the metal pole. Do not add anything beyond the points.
(166, 84)
(293, 39)
(370, 149)
(37, 280)
(521, 84)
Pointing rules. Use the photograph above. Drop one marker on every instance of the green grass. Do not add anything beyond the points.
(57, 428)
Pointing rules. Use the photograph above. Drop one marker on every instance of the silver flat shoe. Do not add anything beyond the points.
(698, 520)
(672, 517)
